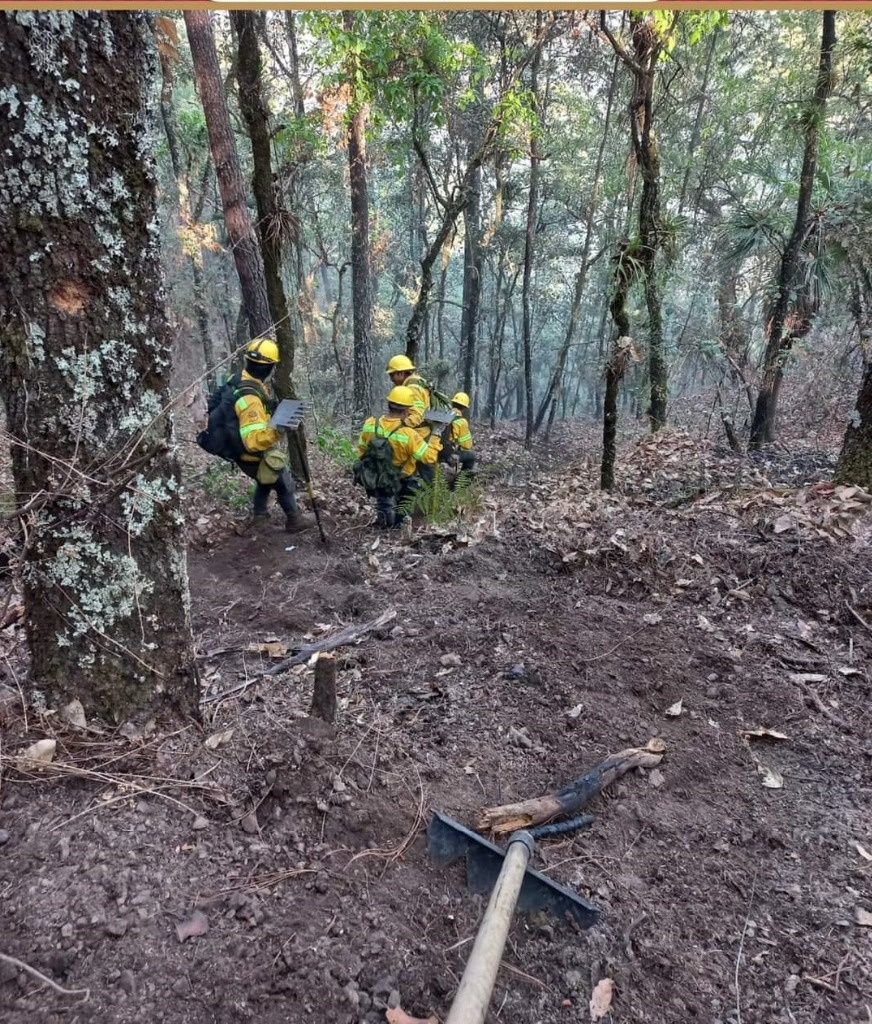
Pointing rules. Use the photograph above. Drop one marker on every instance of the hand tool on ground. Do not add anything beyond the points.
(514, 884)
(289, 416)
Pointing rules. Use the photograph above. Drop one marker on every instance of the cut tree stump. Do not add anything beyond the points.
(511, 817)
(324, 693)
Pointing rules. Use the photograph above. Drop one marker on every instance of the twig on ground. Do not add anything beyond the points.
(85, 993)
(611, 650)
(741, 947)
(858, 617)
(628, 936)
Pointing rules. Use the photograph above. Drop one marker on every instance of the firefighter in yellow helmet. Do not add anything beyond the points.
(389, 450)
(402, 372)
(262, 460)
(457, 450)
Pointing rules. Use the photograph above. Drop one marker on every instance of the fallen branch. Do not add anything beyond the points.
(510, 817)
(345, 636)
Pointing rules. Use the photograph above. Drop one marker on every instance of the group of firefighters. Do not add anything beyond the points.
(415, 446)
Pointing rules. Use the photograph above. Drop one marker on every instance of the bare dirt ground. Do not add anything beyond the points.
(551, 629)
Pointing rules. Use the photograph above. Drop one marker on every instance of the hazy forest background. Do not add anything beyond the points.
(496, 149)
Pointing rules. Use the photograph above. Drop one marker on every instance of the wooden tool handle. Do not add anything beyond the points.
(477, 984)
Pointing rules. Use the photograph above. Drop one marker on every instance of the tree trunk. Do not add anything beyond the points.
(83, 321)
(361, 296)
(855, 461)
(790, 298)
(472, 269)
(626, 270)
(529, 242)
(243, 242)
(190, 246)
(270, 229)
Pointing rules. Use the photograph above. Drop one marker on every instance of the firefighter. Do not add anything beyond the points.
(389, 451)
(459, 439)
(402, 372)
(262, 460)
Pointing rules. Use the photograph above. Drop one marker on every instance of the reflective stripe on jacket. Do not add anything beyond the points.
(422, 404)
(407, 445)
(461, 434)
(253, 418)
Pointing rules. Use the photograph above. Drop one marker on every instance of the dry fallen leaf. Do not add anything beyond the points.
(601, 999)
(863, 917)
(74, 714)
(864, 853)
(197, 924)
(763, 733)
(397, 1015)
(675, 709)
(783, 523)
(771, 778)
(217, 738)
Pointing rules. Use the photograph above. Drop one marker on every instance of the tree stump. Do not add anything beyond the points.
(324, 692)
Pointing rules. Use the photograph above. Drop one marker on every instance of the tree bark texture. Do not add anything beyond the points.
(790, 316)
(361, 271)
(472, 281)
(85, 365)
(855, 461)
(252, 105)
(243, 241)
(626, 271)
(646, 51)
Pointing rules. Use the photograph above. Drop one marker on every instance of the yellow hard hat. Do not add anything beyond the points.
(398, 363)
(401, 395)
(262, 350)
(461, 398)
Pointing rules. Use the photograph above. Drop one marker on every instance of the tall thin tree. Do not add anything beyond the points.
(790, 315)
(243, 241)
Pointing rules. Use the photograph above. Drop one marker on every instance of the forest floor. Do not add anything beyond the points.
(266, 866)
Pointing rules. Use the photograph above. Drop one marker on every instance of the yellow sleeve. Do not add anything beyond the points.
(422, 403)
(461, 434)
(366, 435)
(421, 450)
(256, 435)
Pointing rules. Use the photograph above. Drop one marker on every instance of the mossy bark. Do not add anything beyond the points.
(85, 363)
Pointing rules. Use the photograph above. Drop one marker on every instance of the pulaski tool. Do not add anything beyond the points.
(514, 884)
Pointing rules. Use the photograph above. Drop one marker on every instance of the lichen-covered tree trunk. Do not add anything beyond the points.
(783, 329)
(855, 461)
(85, 362)
(529, 244)
(243, 242)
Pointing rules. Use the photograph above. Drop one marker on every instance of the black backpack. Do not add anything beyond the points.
(375, 469)
(449, 448)
(221, 436)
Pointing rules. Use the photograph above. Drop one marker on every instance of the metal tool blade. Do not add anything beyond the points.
(288, 414)
(448, 841)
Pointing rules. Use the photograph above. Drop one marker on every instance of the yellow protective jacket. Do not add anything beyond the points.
(422, 404)
(251, 411)
(407, 445)
(460, 433)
